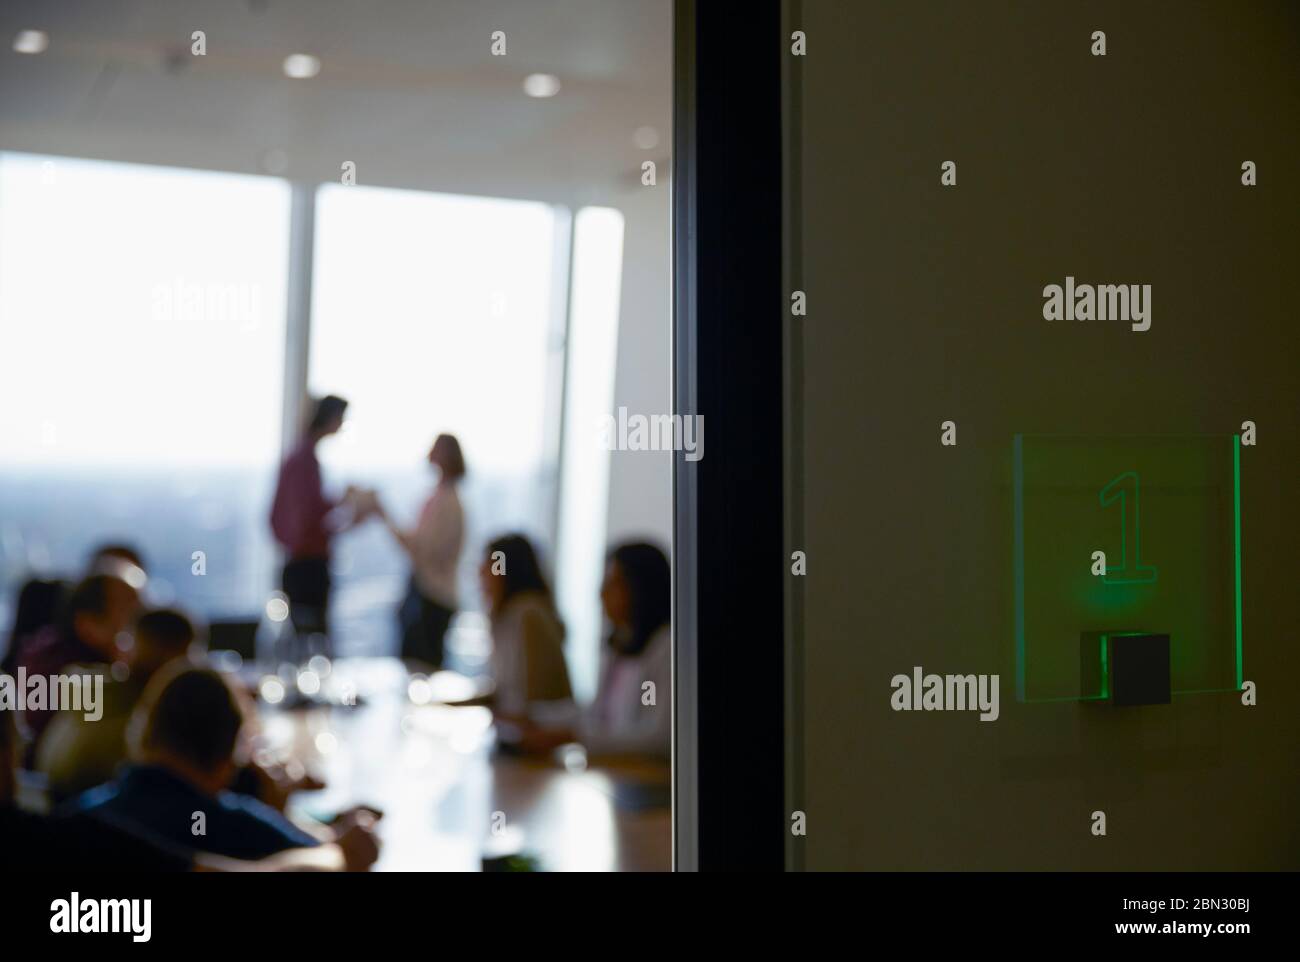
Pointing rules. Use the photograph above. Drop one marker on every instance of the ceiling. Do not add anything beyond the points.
(408, 89)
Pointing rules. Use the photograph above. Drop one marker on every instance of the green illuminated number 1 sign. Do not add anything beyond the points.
(1119, 490)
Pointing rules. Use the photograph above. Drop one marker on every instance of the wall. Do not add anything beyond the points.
(925, 304)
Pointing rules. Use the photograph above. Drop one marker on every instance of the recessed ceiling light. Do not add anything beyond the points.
(301, 66)
(541, 85)
(31, 41)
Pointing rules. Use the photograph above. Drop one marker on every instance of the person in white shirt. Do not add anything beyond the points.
(632, 711)
(434, 546)
(631, 715)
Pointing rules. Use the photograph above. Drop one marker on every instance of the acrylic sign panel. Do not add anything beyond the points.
(1166, 513)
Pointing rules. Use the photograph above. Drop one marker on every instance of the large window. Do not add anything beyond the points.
(142, 380)
(589, 397)
(435, 313)
(141, 372)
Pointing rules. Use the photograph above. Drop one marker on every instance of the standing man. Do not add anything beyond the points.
(304, 520)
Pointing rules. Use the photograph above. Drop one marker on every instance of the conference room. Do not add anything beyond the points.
(312, 314)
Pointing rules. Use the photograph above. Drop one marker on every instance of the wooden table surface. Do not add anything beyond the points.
(448, 798)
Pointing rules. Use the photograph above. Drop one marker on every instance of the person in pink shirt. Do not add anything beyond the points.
(304, 521)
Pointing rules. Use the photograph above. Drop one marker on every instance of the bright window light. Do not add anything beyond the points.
(141, 371)
(584, 498)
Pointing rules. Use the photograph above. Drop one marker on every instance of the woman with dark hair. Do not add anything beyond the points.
(632, 711)
(434, 546)
(38, 607)
(530, 678)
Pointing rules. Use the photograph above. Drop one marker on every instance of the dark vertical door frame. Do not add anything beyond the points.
(730, 563)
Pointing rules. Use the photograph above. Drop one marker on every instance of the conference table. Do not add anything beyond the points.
(450, 800)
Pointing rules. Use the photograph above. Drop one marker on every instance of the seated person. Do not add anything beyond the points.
(99, 609)
(637, 597)
(183, 735)
(34, 842)
(624, 720)
(39, 603)
(530, 680)
(75, 754)
(121, 560)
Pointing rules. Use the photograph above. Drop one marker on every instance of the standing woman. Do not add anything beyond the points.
(434, 547)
